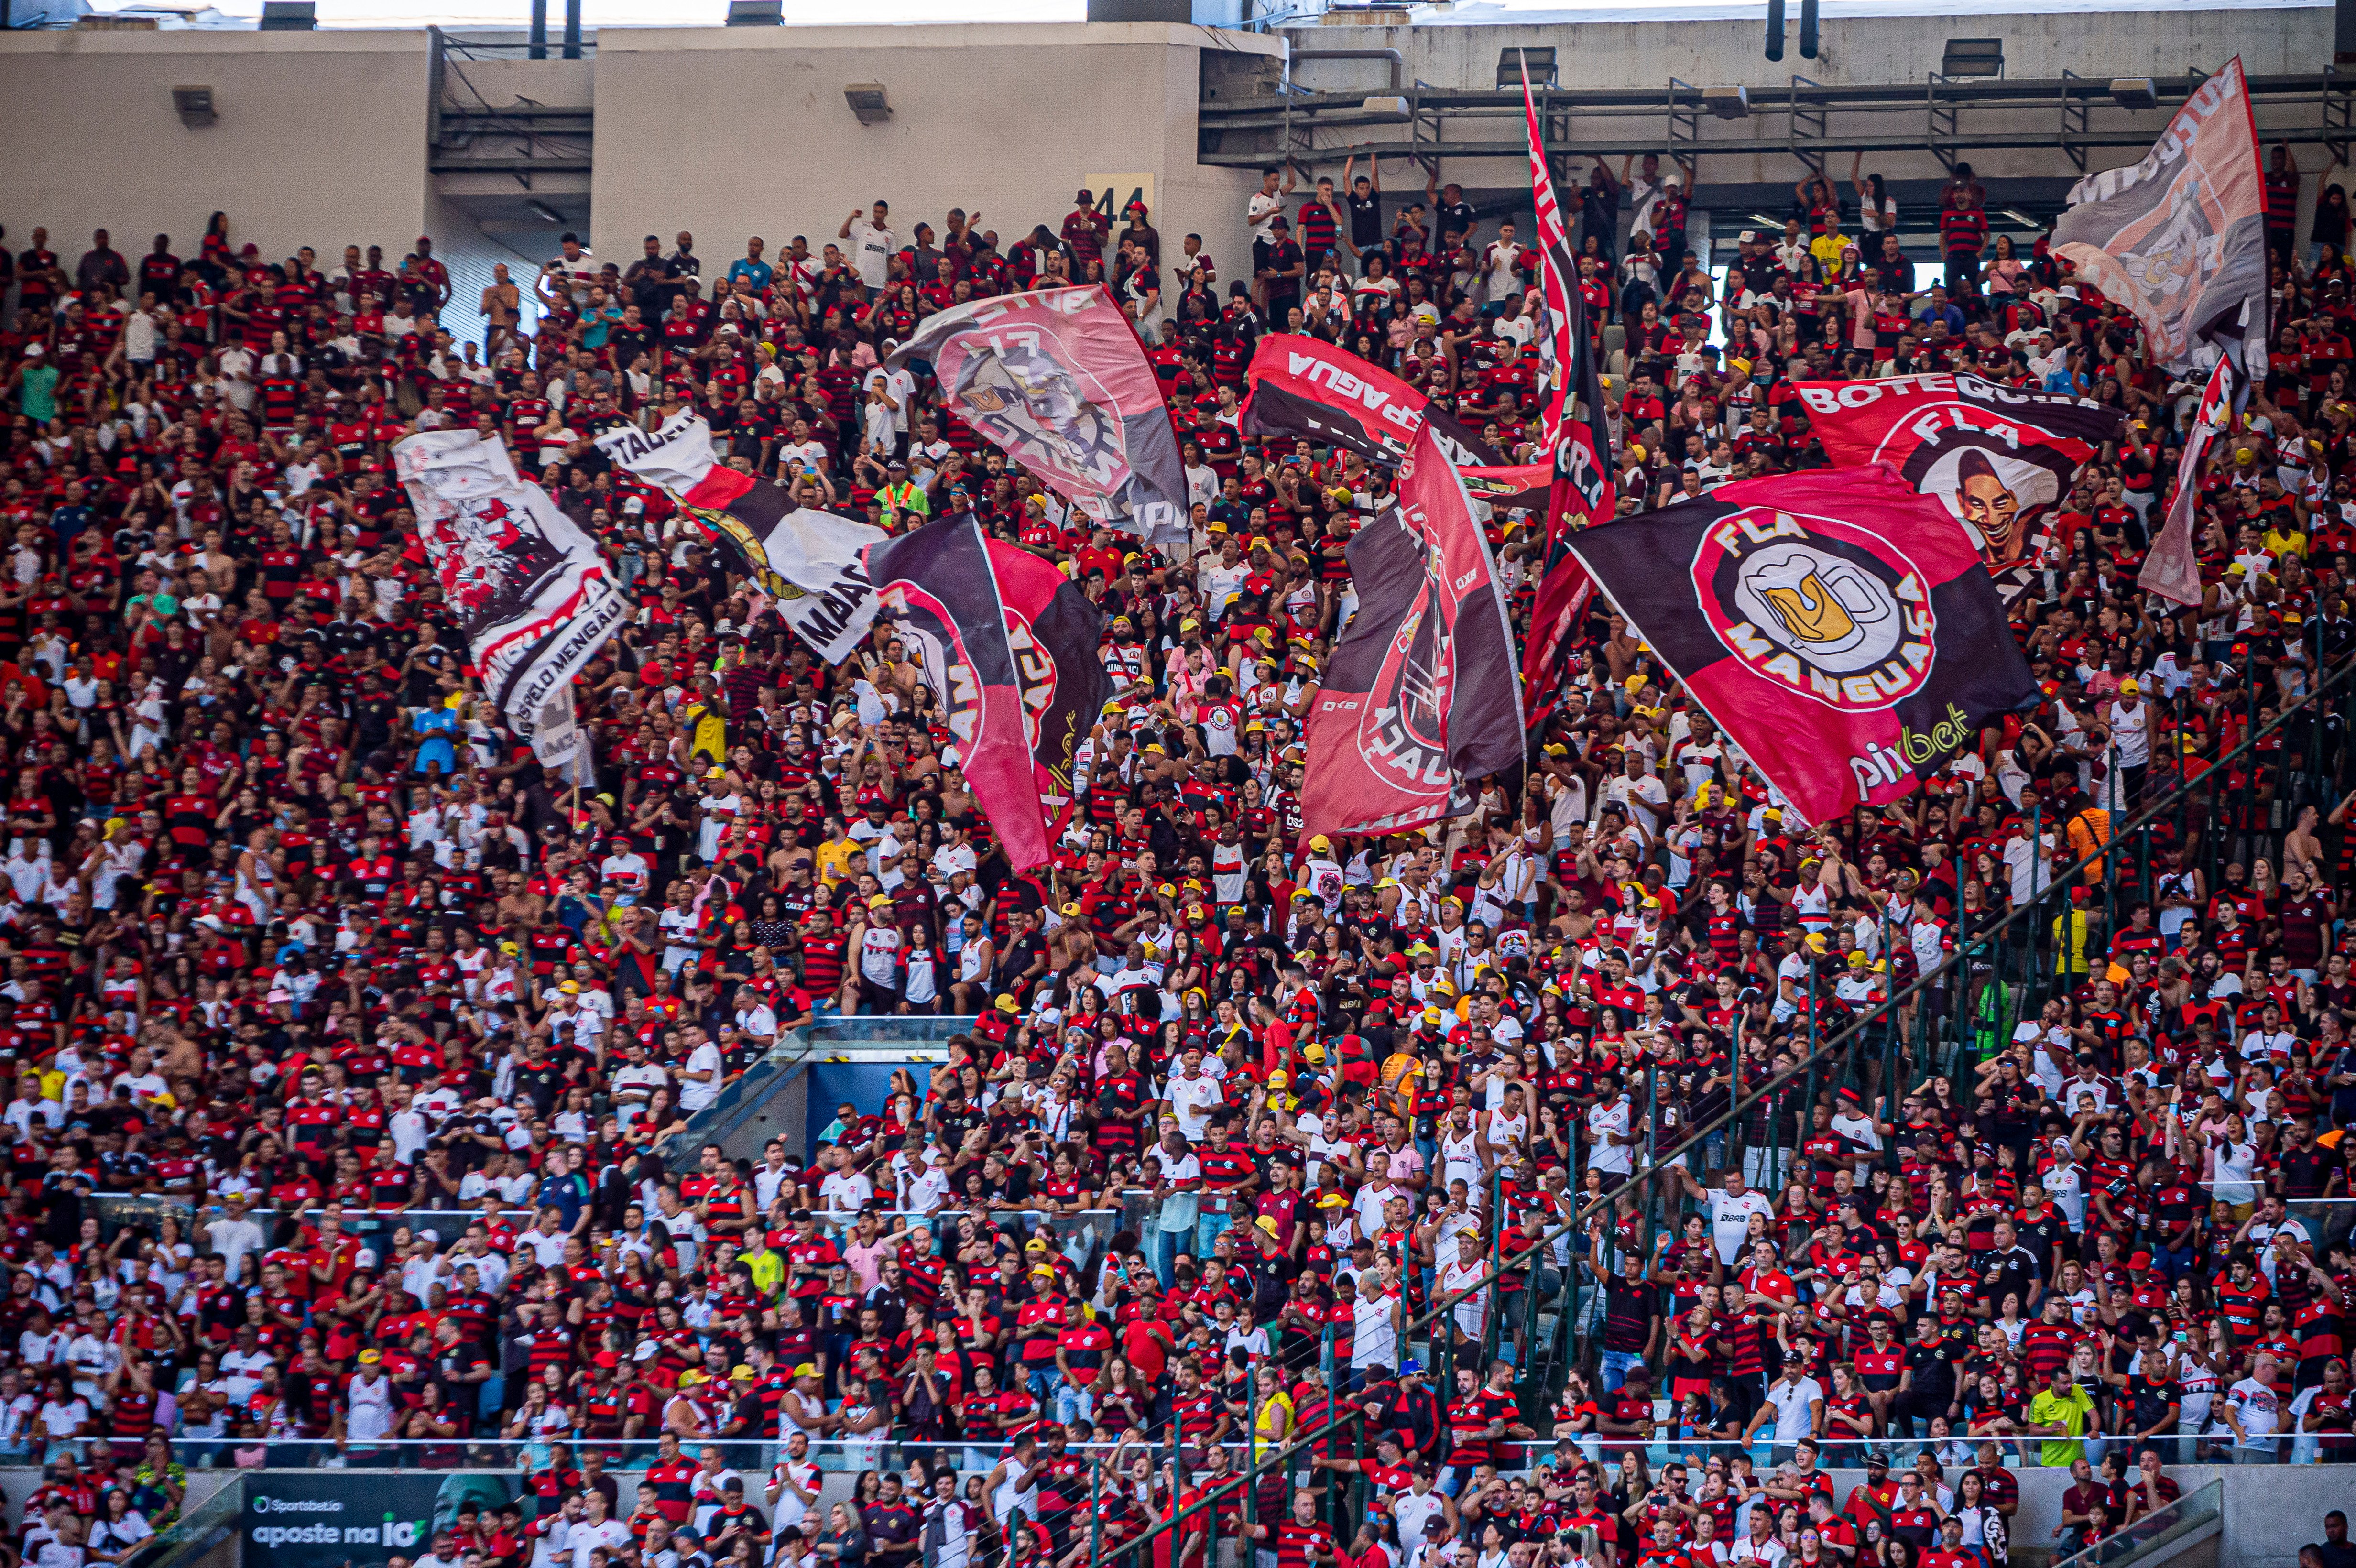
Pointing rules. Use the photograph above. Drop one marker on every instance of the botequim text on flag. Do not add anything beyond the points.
(532, 595)
(1838, 625)
(2172, 569)
(2180, 238)
(1419, 699)
(1999, 459)
(806, 560)
(1008, 647)
(1057, 380)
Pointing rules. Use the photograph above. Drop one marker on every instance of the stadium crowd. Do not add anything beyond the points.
(295, 934)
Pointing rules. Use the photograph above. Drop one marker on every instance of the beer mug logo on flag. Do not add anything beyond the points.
(1830, 611)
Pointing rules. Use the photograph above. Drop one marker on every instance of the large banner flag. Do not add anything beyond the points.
(1008, 648)
(1837, 624)
(2172, 569)
(1576, 441)
(1419, 699)
(531, 591)
(805, 560)
(2181, 238)
(1057, 380)
(1307, 388)
(1998, 459)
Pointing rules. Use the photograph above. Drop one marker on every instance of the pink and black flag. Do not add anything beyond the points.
(1008, 647)
(1837, 624)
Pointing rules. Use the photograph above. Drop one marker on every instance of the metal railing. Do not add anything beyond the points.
(1833, 1055)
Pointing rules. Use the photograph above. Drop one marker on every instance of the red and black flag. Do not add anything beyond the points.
(1307, 388)
(1576, 429)
(1999, 460)
(1008, 648)
(1838, 625)
(1419, 699)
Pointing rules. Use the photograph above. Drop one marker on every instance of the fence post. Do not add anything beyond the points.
(1095, 1514)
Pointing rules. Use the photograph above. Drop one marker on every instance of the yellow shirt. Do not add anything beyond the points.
(1826, 249)
(2280, 544)
(838, 859)
(2070, 942)
(2072, 1412)
(710, 730)
(1275, 1424)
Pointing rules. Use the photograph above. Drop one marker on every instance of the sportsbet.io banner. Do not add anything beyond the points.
(329, 1519)
(1840, 626)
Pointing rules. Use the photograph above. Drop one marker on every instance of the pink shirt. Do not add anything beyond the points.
(1406, 1163)
(867, 1263)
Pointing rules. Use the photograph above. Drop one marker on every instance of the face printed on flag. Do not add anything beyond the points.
(1057, 380)
(2001, 460)
(2180, 238)
(1996, 494)
(1043, 414)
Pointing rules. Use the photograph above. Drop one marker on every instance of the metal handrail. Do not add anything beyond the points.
(2056, 889)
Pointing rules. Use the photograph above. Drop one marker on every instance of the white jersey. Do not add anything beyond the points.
(879, 956)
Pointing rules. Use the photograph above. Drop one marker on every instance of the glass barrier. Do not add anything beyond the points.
(2172, 1524)
(830, 1029)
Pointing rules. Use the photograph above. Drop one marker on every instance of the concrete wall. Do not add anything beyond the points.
(320, 139)
(1007, 119)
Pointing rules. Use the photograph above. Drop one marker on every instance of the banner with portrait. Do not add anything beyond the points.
(1999, 460)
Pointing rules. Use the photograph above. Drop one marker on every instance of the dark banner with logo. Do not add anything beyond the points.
(1055, 633)
(1998, 459)
(1838, 625)
(333, 1518)
(1420, 700)
(1012, 659)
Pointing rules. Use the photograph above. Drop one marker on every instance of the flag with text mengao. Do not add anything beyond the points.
(532, 595)
(1838, 625)
(1419, 699)
(2180, 238)
(1008, 647)
(804, 559)
(1057, 380)
(1999, 459)
(1575, 434)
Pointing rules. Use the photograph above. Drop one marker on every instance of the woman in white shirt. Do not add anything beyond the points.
(121, 1532)
(1877, 209)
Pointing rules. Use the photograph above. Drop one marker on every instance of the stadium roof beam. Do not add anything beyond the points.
(1942, 116)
